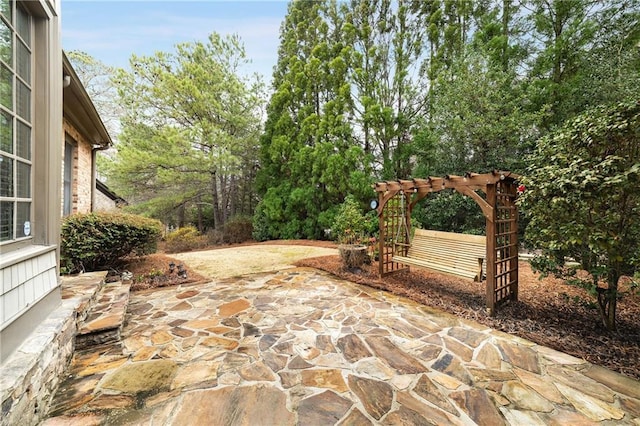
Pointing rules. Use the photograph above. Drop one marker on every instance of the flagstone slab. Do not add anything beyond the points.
(325, 408)
(257, 371)
(489, 356)
(324, 378)
(461, 350)
(194, 373)
(632, 406)
(266, 341)
(525, 398)
(564, 417)
(478, 406)
(324, 343)
(353, 348)
(147, 376)
(355, 418)
(274, 361)
(232, 308)
(540, 384)
(429, 391)
(243, 405)
(593, 408)
(394, 357)
(289, 379)
(376, 396)
(519, 355)
(576, 380)
(373, 367)
(298, 363)
(433, 414)
(520, 417)
(450, 365)
(406, 417)
(490, 375)
(614, 381)
(402, 328)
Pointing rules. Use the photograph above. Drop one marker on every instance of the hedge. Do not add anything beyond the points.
(100, 241)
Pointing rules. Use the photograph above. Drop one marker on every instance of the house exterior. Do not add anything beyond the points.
(106, 200)
(84, 135)
(31, 83)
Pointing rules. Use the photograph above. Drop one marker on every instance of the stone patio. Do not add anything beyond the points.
(302, 347)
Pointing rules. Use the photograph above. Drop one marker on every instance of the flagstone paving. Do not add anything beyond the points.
(302, 347)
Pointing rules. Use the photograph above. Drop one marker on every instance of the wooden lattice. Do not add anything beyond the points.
(396, 200)
(394, 238)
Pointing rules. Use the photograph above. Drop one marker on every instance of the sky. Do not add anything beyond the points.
(111, 31)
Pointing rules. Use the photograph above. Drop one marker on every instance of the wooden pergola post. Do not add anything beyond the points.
(396, 200)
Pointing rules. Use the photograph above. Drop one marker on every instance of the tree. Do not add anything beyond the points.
(96, 77)
(309, 159)
(583, 201)
(191, 129)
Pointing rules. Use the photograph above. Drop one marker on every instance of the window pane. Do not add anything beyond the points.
(6, 220)
(6, 176)
(23, 216)
(6, 133)
(23, 140)
(22, 26)
(6, 87)
(23, 178)
(23, 62)
(5, 9)
(23, 107)
(6, 44)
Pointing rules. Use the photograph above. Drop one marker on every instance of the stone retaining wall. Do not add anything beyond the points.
(30, 377)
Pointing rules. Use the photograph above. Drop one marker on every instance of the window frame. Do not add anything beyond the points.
(20, 156)
(46, 127)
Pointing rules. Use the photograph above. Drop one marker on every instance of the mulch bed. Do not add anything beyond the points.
(548, 312)
(152, 271)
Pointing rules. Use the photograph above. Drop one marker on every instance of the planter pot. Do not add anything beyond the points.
(354, 255)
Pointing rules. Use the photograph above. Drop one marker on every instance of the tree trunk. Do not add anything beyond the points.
(612, 296)
(200, 223)
(217, 216)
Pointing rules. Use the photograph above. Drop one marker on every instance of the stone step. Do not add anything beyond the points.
(104, 323)
(84, 290)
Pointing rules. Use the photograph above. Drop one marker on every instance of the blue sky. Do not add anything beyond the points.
(113, 30)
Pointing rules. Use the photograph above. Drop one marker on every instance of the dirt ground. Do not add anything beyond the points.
(548, 311)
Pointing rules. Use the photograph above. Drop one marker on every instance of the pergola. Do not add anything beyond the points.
(494, 192)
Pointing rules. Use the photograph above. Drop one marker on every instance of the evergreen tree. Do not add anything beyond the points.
(191, 128)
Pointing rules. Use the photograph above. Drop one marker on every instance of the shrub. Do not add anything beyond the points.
(99, 241)
(184, 239)
(237, 230)
(350, 225)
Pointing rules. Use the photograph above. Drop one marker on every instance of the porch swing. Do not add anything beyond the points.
(447, 252)
(470, 256)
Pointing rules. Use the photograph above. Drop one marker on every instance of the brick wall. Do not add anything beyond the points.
(82, 172)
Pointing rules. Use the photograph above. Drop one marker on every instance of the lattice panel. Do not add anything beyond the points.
(506, 244)
(394, 235)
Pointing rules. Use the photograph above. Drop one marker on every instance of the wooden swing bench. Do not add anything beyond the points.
(457, 254)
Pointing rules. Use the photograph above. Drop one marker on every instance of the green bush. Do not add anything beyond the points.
(350, 225)
(237, 230)
(184, 239)
(99, 241)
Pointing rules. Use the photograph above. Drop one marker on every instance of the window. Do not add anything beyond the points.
(15, 122)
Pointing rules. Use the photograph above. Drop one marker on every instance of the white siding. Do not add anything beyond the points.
(24, 283)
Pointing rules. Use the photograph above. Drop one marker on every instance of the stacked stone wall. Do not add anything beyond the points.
(30, 376)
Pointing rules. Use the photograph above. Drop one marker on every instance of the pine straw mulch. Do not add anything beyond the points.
(548, 312)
